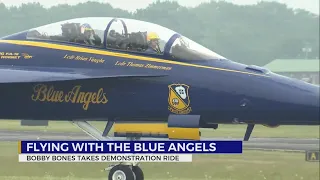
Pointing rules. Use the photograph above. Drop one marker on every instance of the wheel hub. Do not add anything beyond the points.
(119, 175)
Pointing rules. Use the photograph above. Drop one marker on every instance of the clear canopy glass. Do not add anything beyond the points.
(122, 34)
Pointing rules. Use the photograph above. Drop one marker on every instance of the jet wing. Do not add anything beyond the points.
(44, 74)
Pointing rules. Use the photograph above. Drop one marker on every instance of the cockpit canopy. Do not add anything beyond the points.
(126, 35)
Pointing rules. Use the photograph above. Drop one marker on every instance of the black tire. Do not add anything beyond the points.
(138, 172)
(123, 170)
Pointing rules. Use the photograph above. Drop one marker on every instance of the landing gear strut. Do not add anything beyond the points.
(121, 171)
(248, 132)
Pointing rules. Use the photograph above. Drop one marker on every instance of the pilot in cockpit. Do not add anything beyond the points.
(88, 36)
(153, 43)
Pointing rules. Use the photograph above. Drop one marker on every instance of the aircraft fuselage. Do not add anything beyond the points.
(221, 91)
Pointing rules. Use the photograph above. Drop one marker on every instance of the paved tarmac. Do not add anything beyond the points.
(289, 144)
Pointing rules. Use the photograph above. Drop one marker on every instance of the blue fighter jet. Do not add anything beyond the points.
(125, 71)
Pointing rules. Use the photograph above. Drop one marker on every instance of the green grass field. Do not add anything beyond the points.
(251, 165)
(222, 131)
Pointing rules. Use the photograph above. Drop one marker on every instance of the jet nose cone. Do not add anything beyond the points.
(302, 101)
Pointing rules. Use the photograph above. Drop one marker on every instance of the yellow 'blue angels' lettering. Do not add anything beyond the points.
(43, 93)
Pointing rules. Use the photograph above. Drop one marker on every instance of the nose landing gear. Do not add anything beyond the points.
(121, 171)
(125, 172)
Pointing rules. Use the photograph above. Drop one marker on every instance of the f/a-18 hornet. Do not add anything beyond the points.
(126, 71)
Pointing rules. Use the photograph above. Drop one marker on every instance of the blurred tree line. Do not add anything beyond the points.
(253, 34)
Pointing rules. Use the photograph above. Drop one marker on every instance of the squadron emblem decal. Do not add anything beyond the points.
(178, 99)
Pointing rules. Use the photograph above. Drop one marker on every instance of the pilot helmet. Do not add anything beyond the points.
(152, 36)
(86, 30)
(153, 40)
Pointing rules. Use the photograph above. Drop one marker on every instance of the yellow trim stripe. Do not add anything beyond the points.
(108, 53)
(19, 147)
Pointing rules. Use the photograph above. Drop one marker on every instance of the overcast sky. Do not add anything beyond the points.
(131, 5)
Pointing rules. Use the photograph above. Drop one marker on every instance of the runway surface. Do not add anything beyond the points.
(289, 144)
